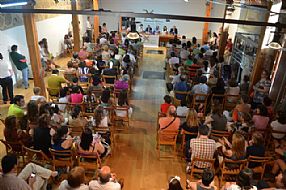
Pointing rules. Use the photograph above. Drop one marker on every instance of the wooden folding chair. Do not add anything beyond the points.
(108, 80)
(15, 148)
(51, 96)
(184, 133)
(262, 161)
(177, 102)
(217, 98)
(121, 110)
(70, 76)
(195, 170)
(230, 101)
(62, 159)
(230, 169)
(217, 134)
(90, 162)
(172, 138)
(200, 102)
(36, 156)
(271, 139)
(76, 130)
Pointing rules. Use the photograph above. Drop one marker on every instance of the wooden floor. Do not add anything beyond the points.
(134, 156)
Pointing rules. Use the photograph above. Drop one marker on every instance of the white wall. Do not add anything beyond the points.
(53, 29)
(174, 7)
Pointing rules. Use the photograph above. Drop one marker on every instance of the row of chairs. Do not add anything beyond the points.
(228, 102)
(60, 159)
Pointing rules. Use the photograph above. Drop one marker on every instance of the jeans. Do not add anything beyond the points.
(42, 175)
(25, 76)
(7, 84)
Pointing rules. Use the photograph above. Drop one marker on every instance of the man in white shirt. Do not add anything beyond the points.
(201, 88)
(106, 181)
(173, 61)
(6, 80)
(89, 29)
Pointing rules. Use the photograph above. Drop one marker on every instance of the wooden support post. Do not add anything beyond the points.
(34, 52)
(96, 21)
(222, 43)
(120, 25)
(258, 65)
(206, 24)
(75, 26)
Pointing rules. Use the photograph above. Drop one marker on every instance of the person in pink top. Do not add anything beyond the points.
(261, 118)
(169, 123)
(122, 83)
(76, 96)
(83, 54)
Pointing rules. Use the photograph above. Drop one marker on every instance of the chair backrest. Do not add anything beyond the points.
(13, 147)
(210, 161)
(259, 160)
(215, 134)
(61, 158)
(107, 79)
(217, 98)
(7, 146)
(184, 94)
(88, 161)
(230, 101)
(97, 92)
(167, 137)
(35, 156)
(76, 130)
(235, 164)
(123, 109)
(70, 76)
(51, 92)
(200, 102)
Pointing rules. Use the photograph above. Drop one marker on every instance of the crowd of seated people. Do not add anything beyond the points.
(243, 117)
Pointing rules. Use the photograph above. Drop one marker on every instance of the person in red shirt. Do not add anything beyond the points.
(165, 106)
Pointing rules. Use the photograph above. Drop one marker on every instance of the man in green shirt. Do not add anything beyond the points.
(16, 108)
(21, 64)
(55, 83)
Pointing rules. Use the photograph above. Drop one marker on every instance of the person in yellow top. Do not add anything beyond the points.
(16, 108)
(55, 82)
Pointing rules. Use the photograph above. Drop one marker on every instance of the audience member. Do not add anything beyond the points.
(42, 134)
(206, 183)
(255, 148)
(75, 180)
(217, 120)
(261, 89)
(182, 109)
(261, 118)
(36, 176)
(76, 95)
(21, 64)
(55, 83)
(6, 80)
(174, 183)
(165, 106)
(37, 96)
(106, 180)
(90, 145)
(170, 122)
(16, 108)
(62, 140)
(202, 147)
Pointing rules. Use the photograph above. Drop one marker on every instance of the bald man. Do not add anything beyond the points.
(106, 180)
(169, 123)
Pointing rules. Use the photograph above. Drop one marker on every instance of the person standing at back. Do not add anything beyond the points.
(6, 80)
(21, 64)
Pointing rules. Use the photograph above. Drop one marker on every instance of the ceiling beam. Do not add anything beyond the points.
(142, 15)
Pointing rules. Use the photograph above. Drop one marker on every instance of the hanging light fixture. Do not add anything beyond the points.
(12, 4)
(275, 44)
(133, 34)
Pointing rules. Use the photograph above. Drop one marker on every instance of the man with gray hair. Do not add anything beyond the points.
(106, 180)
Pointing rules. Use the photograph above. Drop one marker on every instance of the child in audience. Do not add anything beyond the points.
(37, 96)
(165, 106)
(76, 95)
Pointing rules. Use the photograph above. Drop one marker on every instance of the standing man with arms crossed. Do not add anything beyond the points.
(21, 64)
(6, 80)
